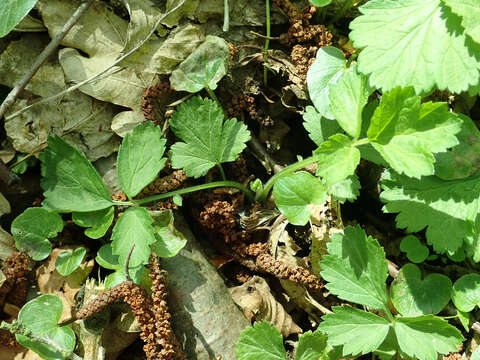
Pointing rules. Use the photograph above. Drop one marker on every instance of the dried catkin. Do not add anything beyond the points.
(165, 337)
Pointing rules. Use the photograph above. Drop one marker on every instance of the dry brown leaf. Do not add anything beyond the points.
(65, 287)
(257, 303)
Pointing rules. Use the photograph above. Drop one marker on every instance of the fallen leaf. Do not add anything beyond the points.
(257, 303)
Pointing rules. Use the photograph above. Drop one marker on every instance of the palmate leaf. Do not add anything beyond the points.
(469, 10)
(70, 182)
(358, 331)
(447, 208)
(209, 141)
(140, 158)
(356, 269)
(407, 133)
(419, 43)
(425, 337)
(312, 346)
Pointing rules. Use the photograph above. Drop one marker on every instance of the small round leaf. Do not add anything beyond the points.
(68, 261)
(41, 316)
(416, 251)
(413, 296)
(466, 292)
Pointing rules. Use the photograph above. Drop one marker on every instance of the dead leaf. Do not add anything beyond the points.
(7, 244)
(257, 303)
(65, 287)
(85, 121)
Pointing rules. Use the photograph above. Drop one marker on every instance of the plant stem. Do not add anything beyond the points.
(288, 170)
(226, 16)
(222, 172)
(347, 5)
(267, 42)
(213, 96)
(190, 189)
(44, 55)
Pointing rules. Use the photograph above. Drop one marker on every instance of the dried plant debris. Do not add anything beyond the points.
(257, 303)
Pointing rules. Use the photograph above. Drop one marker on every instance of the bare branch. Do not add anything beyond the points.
(49, 49)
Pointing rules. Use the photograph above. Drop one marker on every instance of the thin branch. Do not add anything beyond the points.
(260, 151)
(49, 49)
(104, 71)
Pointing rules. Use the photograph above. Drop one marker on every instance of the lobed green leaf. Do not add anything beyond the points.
(358, 331)
(356, 269)
(319, 128)
(209, 141)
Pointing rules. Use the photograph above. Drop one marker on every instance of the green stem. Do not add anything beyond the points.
(190, 189)
(122, 203)
(213, 96)
(222, 172)
(361, 142)
(267, 42)
(347, 5)
(288, 170)
(226, 16)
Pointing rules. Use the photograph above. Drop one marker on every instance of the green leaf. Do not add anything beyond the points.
(447, 208)
(348, 95)
(413, 296)
(294, 193)
(140, 158)
(204, 67)
(464, 159)
(70, 181)
(464, 318)
(337, 159)
(358, 331)
(319, 128)
(416, 251)
(320, 3)
(356, 269)
(424, 336)
(261, 341)
(327, 68)
(347, 189)
(97, 222)
(68, 261)
(169, 241)
(41, 316)
(209, 141)
(406, 133)
(139, 275)
(12, 12)
(476, 354)
(312, 346)
(106, 258)
(466, 292)
(469, 10)
(133, 227)
(32, 229)
(419, 43)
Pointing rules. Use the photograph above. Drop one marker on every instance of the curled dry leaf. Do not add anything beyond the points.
(65, 287)
(258, 303)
